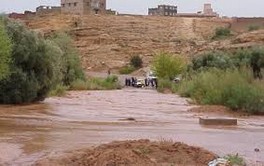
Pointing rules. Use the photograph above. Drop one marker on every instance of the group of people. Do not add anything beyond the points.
(131, 81)
(134, 82)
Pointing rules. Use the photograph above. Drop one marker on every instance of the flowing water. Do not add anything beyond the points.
(83, 119)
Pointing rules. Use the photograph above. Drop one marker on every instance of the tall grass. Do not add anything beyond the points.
(109, 83)
(59, 90)
(127, 70)
(165, 85)
(236, 89)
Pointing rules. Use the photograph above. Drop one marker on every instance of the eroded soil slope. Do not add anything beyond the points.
(109, 41)
(142, 152)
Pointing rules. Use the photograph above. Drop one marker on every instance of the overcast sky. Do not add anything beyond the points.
(245, 8)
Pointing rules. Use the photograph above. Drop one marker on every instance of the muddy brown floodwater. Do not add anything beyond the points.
(83, 119)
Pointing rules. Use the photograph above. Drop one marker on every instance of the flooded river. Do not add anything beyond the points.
(84, 119)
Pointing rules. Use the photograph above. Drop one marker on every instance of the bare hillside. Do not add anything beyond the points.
(109, 41)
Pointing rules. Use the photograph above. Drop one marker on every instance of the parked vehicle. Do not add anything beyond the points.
(177, 79)
(140, 83)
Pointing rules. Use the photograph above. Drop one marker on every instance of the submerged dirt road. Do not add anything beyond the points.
(83, 119)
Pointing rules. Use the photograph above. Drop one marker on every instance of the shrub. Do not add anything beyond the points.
(221, 32)
(253, 57)
(33, 68)
(79, 85)
(59, 90)
(253, 28)
(165, 85)
(257, 61)
(38, 66)
(235, 160)
(233, 88)
(220, 60)
(70, 62)
(136, 61)
(127, 70)
(5, 51)
(108, 83)
(167, 66)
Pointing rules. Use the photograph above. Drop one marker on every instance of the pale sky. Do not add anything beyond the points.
(243, 8)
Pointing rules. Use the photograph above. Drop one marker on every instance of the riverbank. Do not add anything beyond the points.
(90, 118)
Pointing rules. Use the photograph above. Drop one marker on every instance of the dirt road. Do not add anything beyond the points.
(83, 119)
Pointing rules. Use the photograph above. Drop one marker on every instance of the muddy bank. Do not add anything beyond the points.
(142, 152)
(90, 118)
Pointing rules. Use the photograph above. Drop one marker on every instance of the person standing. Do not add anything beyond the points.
(109, 72)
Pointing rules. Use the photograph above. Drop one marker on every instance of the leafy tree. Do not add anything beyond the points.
(257, 62)
(168, 66)
(38, 65)
(70, 62)
(33, 67)
(218, 60)
(5, 52)
(253, 58)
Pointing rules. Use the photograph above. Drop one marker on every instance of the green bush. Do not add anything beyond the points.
(168, 66)
(136, 61)
(222, 32)
(79, 85)
(233, 88)
(38, 66)
(5, 51)
(253, 57)
(165, 85)
(127, 70)
(33, 68)
(253, 28)
(220, 60)
(70, 62)
(59, 90)
(235, 160)
(108, 83)
(257, 61)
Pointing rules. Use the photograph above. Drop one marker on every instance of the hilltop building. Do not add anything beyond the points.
(208, 10)
(168, 10)
(163, 10)
(83, 6)
(48, 9)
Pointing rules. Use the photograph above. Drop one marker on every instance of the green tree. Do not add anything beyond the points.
(220, 60)
(33, 67)
(168, 66)
(69, 61)
(257, 62)
(5, 52)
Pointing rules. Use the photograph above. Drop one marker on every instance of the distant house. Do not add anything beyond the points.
(163, 10)
(168, 10)
(83, 6)
(208, 10)
(48, 9)
(16, 15)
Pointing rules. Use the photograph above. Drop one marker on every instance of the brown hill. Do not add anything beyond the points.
(109, 41)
